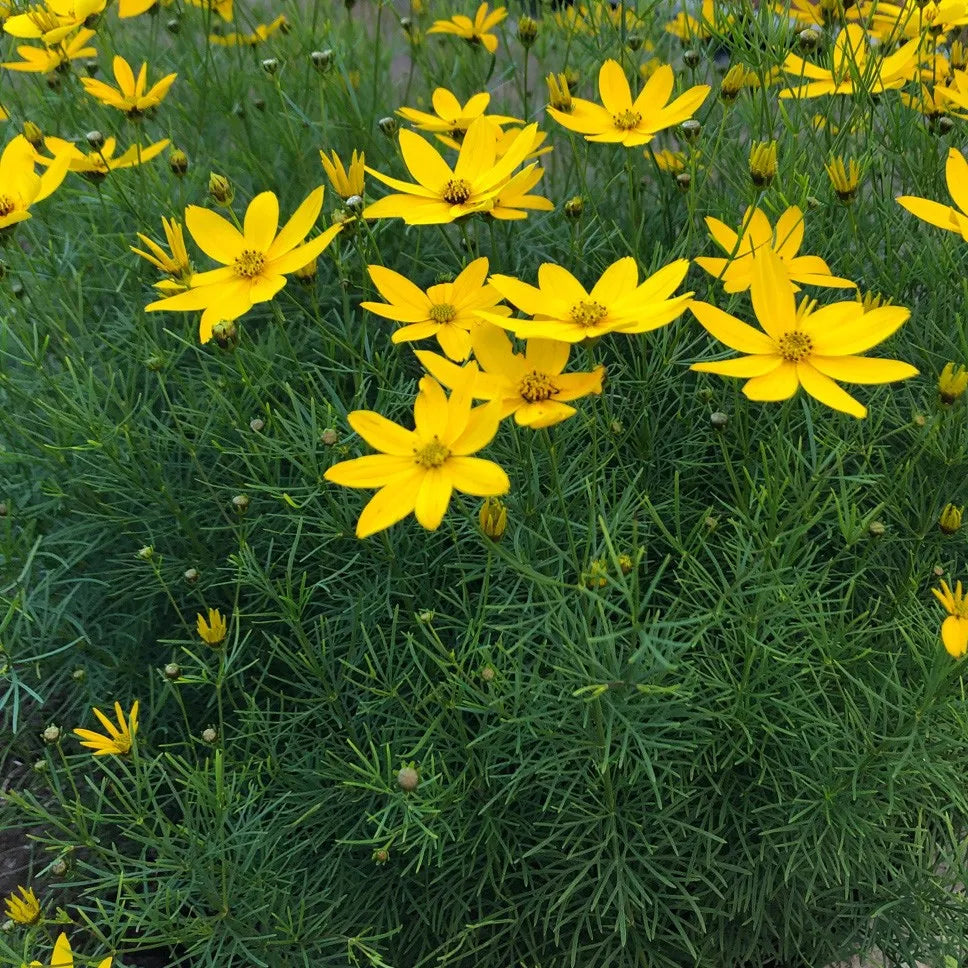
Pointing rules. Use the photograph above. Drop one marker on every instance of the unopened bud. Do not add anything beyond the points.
(4, 509)
(684, 180)
(950, 520)
(92, 67)
(226, 334)
(691, 58)
(488, 673)
(51, 734)
(241, 503)
(95, 139)
(408, 779)
(575, 207)
(191, 575)
(388, 126)
(690, 129)
(209, 735)
(270, 65)
(155, 362)
(329, 437)
(380, 856)
(527, 31)
(172, 671)
(256, 424)
(321, 60)
(220, 189)
(59, 867)
(876, 529)
(493, 518)
(146, 553)
(944, 124)
(808, 38)
(79, 675)
(178, 161)
(634, 41)
(33, 133)
(173, 26)
(718, 420)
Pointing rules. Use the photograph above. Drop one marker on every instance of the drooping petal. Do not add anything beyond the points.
(392, 503)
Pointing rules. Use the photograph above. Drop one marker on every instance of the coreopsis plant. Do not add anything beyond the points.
(447, 311)
(255, 261)
(532, 386)
(22, 907)
(954, 629)
(945, 216)
(854, 67)
(756, 234)
(53, 20)
(562, 309)
(116, 740)
(132, 96)
(46, 60)
(98, 163)
(802, 347)
(480, 30)
(442, 194)
(20, 184)
(417, 470)
(620, 119)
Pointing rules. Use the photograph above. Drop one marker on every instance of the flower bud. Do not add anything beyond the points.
(380, 856)
(191, 575)
(329, 437)
(808, 38)
(625, 564)
(79, 675)
(4, 509)
(634, 42)
(597, 574)
(321, 60)
(406, 25)
(425, 616)
(575, 207)
(763, 163)
(355, 204)
(527, 31)
(32, 133)
(306, 275)
(178, 161)
(488, 673)
(155, 363)
(408, 779)
(876, 529)
(952, 382)
(172, 671)
(92, 67)
(944, 124)
(241, 503)
(493, 518)
(388, 126)
(146, 553)
(270, 65)
(718, 421)
(95, 139)
(209, 735)
(220, 189)
(59, 867)
(684, 181)
(259, 103)
(559, 93)
(690, 129)
(256, 424)
(51, 734)
(173, 26)
(226, 334)
(691, 58)
(950, 520)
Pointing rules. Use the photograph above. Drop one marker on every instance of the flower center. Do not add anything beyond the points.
(249, 263)
(588, 312)
(431, 455)
(43, 20)
(536, 386)
(795, 346)
(7, 205)
(627, 120)
(457, 191)
(442, 313)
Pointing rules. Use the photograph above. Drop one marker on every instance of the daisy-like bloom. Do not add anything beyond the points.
(689, 28)
(261, 34)
(119, 738)
(452, 117)
(513, 200)
(530, 385)
(24, 909)
(621, 120)
(805, 347)
(347, 181)
(255, 262)
(46, 60)
(928, 102)
(177, 265)
(476, 31)
(890, 22)
(417, 470)
(952, 382)
(811, 13)
(95, 165)
(954, 629)
(63, 957)
(844, 175)
(448, 311)
(132, 96)
(562, 309)
(213, 631)
(52, 21)
(953, 96)
(443, 194)
(944, 216)
(854, 68)
(736, 271)
(20, 185)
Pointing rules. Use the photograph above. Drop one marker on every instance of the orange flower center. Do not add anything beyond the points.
(249, 263)
(442, 313)
(795, 346)
(7, 205)
(536, 386)
(627, 120)
(588, 312)
(431, 455)
(457, 191)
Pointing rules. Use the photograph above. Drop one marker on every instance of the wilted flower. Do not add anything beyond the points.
(24, 909)
(213, 631)
(119, 738)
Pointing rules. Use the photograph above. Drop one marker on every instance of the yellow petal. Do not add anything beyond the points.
(824, 389)
(954, 635)
(858, 333)
(261, 221)
(482, 478)
(934, 213)
(382, 434)
(390, 504)
(613, 87)
(216, 237)
(399, 290)
(862, 369)
(732, 331)
(298, 226)
(433, 497)
(779, 383)
(374, 470)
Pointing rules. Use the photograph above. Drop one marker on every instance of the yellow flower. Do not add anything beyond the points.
(954, 629)
(890, 21)
(451, 116)
(443, 194)
(529, 385)
(735, 80)
(564, 310)
(559, 93)
(222, 7)
(261, 33)
(927, 101)
(346, 182)
(63, 957)
(448, 311)
(213, 631)
(24, 909)
(52, 21)
(476, 31)
(95, 165)
(763, 162)
(624, 121)
(756, 234)
(132, 96)
(953, 95)
(952, 382)
(36, 60)
(807, 347)
(844, 175)
(513, 198)
(119, 738)
(255, 261)
(417, 470)
(20, 185)
(944, 216)
(950, 519)
(670, 161)
(854, 67)
(493, 518)
(177, 265)
(689, 28)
